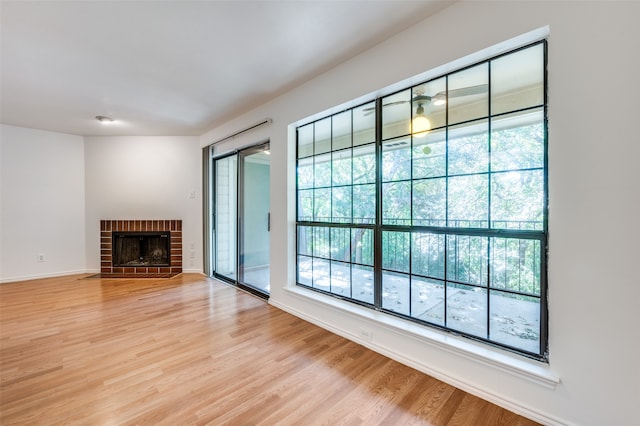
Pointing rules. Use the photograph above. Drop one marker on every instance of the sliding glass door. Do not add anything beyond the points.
(240, 222)
(225, 222)
(254, 218)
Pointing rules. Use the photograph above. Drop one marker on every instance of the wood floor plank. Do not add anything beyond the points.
(191, 350)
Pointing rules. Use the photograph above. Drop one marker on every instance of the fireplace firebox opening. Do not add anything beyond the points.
(141, 249)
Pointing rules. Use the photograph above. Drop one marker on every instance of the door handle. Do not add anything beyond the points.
(269, 222)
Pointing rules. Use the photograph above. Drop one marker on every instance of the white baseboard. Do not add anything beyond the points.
(48, 275)
(62, 274)
(532, 413)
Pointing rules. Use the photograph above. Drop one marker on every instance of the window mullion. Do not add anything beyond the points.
(489, 179)
(377, 237)
(446, 200)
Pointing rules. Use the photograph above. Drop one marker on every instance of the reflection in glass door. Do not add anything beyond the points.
(254, 218)
(225, 226)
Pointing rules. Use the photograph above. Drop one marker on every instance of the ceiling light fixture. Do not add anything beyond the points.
(104, 119)
(420, 125)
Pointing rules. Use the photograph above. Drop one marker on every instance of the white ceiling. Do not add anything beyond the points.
(175, 67)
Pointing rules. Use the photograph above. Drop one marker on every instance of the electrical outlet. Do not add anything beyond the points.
(366, 333)
(41, 258)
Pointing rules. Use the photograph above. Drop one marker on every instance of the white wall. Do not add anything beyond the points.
(42, 203)
(594, 206)
(144, 178)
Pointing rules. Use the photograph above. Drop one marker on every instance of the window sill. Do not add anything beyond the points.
(523, 368)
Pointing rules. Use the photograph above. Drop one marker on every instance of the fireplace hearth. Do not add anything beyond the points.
(140, 248)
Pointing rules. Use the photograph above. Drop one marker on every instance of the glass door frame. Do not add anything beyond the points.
(213, 234)
(210, 208)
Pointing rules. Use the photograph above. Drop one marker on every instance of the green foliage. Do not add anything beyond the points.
(470, 178)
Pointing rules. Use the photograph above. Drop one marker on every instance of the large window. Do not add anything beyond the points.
(430, 203)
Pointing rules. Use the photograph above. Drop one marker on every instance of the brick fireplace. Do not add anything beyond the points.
(172, 229)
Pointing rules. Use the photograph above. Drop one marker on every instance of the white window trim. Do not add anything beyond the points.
(516, 365)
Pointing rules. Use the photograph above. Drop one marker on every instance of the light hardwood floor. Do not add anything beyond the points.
(191, 350)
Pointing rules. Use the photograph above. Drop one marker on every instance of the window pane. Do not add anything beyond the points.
(517, 200)
(468, 94)
(362, 283)
(467, 259)
(429, 202)
(364, 121)
(322, 170)
(517, 141)
(515, 265)
(322, 205)
(364, 204)
(340, 244)
(364, 164)
(305, 204)
(362, 246)
(341, 173)
(321, 242)
(322, 136)
(467, 309)
(517, 80)
(395, 251)
(396, 159)
(396, 114)
(321, 278)
(429, 159)
(341, 130)
(396, 203)
(432, 96)
(468, 201)
(341, 204)
(305, 173)
(515, 321)
(395, 292)
(305, 141)
(469, 148)
(427, 300)
(427, 254)
(305, 240)
(341, 279)
(305, 270)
